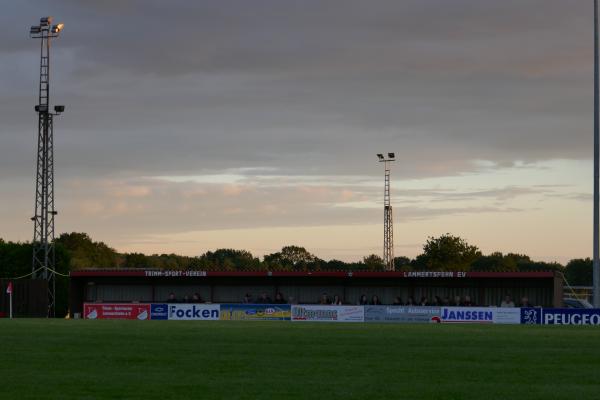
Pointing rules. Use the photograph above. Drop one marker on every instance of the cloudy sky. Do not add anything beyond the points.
(192, 126)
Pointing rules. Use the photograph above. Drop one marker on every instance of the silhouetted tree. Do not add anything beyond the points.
(447, 253)
(579, 272)
(373, 263)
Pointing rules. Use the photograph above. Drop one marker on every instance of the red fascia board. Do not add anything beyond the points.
(328, 274)
(107, 273)
(539, 274)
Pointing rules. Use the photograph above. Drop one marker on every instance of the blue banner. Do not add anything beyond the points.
(159, 311)
(571, 316)
(531, 315)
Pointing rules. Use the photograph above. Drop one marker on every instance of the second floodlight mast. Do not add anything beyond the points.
(388, 220)
(44, 259)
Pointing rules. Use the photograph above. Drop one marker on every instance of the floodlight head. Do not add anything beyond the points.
(57, 28)
(380, 156)
(41, 108)
(391, 155)
(45, 21)
(35, 30)
(59, 109)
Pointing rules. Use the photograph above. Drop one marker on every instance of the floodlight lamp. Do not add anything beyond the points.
(45, 21)
(391, 155)
(59, 109)
(57, 28)
(380, 156)
(34, 30)
(41, 108)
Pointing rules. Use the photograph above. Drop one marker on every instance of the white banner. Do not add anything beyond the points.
(489, 315)
(209, 312)
(328, 313)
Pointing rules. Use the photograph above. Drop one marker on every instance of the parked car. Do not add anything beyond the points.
(577, 303)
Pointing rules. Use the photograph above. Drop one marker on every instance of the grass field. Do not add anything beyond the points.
(61, 359)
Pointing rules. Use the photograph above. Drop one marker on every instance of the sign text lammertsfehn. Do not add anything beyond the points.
(434, 274)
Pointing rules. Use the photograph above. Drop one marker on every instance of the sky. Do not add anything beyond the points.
(192, 126)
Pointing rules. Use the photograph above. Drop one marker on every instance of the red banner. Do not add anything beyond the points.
(116, 311)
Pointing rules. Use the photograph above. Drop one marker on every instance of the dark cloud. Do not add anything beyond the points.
(309, 87)
(297, 88)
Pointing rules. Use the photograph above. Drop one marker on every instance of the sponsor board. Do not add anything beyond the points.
(507, 315)
(116, 311)
(159, 311)
(256, 312)
(328, 313)
(571, 316)
(207, 312)
(481, 315)
(406, 314)
(531, 315)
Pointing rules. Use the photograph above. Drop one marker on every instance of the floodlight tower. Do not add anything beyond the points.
(44, 264)
(388, 220)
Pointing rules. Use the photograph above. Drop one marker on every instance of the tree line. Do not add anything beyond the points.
(76, 251)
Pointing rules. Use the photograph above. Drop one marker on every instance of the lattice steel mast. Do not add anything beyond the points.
(44, 260)
(388, 220)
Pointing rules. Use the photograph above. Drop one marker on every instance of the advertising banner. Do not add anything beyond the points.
(256, 312)
(481, 315)
(328, 313)
(205, 312)
(116, 311)
(508, 315)
(531, 315)
(571, 316)
(159, 311)
(405, 314)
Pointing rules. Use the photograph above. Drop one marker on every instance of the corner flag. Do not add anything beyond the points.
(9, 291)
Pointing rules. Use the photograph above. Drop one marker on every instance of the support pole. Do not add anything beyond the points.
(596, 264)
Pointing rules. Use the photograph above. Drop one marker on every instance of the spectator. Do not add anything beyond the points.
(186, 299)
(247, 298)
(424, 301)
(363, 300)
(410, 301)
(324, 299)
(292, 300)
(437, 301)
(457, 302)
(397, 301)
(279, 298)
(375, 300)
(336, 301)
(196, 298)
(507, 302)
(525, 302)
(467, 302)
(172, 298)
(263, 299)
(446, 301)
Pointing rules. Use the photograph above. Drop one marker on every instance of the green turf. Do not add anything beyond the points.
(62, 359)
